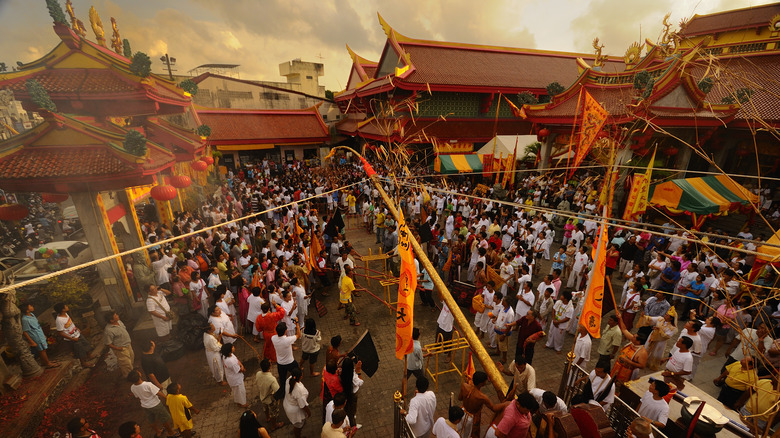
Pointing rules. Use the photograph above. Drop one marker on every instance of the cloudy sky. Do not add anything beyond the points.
(260, 34)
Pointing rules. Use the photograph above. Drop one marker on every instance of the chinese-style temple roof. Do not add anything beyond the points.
(185, 144)
(415, 64)
(675, 100)
(65, 154)
(362, 69)
(236, 129)
(82, 77)
(423, 130)
(754, 17)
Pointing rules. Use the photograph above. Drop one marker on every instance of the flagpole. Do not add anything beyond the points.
(463, 324)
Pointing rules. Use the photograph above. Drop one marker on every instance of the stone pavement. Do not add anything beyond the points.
(219, 415)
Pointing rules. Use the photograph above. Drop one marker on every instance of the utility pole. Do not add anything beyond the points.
(169, 61)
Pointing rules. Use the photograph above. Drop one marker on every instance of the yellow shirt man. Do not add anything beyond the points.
(347, 286)
(176, 404)
(380, 220)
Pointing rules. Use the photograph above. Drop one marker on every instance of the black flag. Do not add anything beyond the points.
(365, 351)
(335, 224)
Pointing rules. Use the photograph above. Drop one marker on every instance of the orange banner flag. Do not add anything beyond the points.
(470, 369)
(593, 118)
(594, 300)
(407, 284)
(636, 203)
(314, 252)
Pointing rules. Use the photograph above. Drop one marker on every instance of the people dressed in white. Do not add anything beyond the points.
(213, 354)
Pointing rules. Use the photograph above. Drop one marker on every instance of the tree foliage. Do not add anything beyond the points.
(527, 98)
(706, 84)
(141, 65)
(40, 96)
(203, 130)
(55, 11)
(135, 143)
(126, 50)
(189, 86)
(641, 79)
(329, 94)
(554, 88)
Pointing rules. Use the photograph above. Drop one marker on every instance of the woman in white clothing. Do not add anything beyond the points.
(254, 303)
(234, 374)
(213, 354)
(295, 405)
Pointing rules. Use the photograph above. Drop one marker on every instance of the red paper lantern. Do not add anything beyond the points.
(543, 133)
(208, 160)
(55, 198)
(13, 212)
(163, 193)
(199, 165)
(180, 181)
(672, 151)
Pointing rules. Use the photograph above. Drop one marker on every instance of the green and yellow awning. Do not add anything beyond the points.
(709, 195)
(464, 163)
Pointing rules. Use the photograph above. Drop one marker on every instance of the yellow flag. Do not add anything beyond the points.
(640, 191)
(593, 118)
(407, 284)
(314, 252)
(594, 300)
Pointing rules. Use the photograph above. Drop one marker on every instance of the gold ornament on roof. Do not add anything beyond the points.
(599, 58)
(774, 23)
(116, 40)
(633, 53)
(670, 39)
(75, 23)
(97, 26)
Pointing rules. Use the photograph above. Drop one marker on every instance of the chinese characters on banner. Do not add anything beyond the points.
(639, 194)
(407, 284)
(593, 118)
(594, 300)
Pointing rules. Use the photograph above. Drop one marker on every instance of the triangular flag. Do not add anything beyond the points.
(469, 371)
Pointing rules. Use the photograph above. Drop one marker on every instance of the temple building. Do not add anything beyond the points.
(443, 97)
(711, 84)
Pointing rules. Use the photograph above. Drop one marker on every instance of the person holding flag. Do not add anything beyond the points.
(474, 400)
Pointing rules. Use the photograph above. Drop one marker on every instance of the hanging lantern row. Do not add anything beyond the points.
(199, 165)
(163, 193)
(13, 212)
(180, 181)
(208, 160)
(54, 198)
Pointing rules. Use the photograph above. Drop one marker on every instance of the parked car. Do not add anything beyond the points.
(9, 267)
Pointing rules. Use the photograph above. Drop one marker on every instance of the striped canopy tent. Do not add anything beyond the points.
(463, 163)
(701, 198)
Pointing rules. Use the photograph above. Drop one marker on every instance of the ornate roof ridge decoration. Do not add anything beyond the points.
(359, 64)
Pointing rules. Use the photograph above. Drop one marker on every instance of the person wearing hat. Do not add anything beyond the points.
(653, 406)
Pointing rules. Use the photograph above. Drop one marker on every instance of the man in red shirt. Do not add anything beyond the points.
(516, 418)
(529, 330)
(266, 323)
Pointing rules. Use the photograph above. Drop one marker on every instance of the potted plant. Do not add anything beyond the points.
(72, 290)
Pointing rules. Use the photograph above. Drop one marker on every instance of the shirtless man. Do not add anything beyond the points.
(473, 400)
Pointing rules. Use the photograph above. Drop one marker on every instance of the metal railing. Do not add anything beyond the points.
(401, 428)
(620, 417)
(571, 373)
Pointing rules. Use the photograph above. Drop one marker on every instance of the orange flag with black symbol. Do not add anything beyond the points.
(314, 252)
(407, 284)
(593, 118)
(594, 300)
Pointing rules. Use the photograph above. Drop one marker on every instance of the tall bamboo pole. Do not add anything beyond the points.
(460, 319)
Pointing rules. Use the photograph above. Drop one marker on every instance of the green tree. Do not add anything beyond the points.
(329, 94)
(55, 11)
(135, 143)
(39, 95)
(141, 65)
(189, 86)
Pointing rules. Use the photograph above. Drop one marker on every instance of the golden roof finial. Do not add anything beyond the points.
(633, 54)
(116, 40)
(669, 39)
(599, 59)
(97, 26)
(75, 23)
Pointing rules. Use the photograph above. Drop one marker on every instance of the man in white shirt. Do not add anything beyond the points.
(653, 406)
(503, 317)
(582, 347)
(448, 427)
(680, 363)
(158, 307)
(152, 399)
(548, 401)
(67, 329)
(285, 361)
(578, 269)
(525, 300)
(691, 330)
(421, 409)
(563, 310)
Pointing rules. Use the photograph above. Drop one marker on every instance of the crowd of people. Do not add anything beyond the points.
(529, 258)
